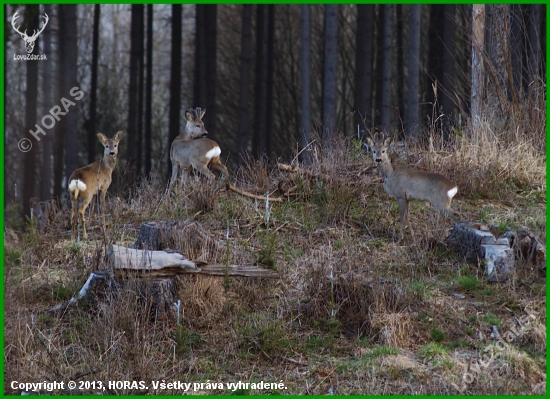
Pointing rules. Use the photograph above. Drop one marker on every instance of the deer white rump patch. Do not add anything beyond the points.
(452, 192)
(75, 183)
(214, 152)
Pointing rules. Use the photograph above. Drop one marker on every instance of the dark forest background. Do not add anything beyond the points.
(273, 78)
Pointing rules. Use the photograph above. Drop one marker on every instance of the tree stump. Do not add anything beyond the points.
(479, 246)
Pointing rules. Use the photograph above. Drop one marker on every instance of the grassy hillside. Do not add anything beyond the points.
(355, 311)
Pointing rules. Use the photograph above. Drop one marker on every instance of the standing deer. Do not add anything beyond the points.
(191, 150)
(90, 180)
(407, 184)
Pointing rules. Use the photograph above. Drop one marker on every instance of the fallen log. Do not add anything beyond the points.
(253, 196)
(126, 262)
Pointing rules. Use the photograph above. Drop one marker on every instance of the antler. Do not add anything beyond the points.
(15, 16)
(24, 34)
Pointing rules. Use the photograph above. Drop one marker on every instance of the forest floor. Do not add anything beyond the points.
(354, 311)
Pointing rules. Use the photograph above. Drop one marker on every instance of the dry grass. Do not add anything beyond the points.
(355, 311)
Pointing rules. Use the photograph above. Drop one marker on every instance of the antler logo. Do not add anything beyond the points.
(29, 40)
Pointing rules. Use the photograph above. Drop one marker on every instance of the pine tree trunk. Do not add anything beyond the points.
(330, 74)
(414, 72)
(387, 67)
(31, 98)
(175, 80)
(478, 34)
(305, 71)
(46, 181)
(244, 81)
(363, 65)
(92, 138)
(148, 94)
(68, 51)
(134, 107)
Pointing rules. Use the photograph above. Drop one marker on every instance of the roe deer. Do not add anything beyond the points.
(409, 184)
(90, 180)
(191, 150)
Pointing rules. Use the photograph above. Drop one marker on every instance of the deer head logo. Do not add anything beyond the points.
(29, 40)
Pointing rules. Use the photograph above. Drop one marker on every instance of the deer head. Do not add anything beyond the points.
(29, 40)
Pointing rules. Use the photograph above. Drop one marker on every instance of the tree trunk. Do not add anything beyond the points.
(68, 52)
(414, 72)
(46, 182)
(330, 74)
(400, 65)
(305, 72)
(387, 67)
(516, 50)
(476, 96)
(259, 89)
(243, 127)
(149, 94)
(269, 66)
(533, 45)
(497, 44)
(175, 80)
(92, 138)
(31, 21)
(211, 30)
(134, 107)
(363, 65)
(449, 70)
(204, 86)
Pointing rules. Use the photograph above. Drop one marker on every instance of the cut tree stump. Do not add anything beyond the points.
(482, 245)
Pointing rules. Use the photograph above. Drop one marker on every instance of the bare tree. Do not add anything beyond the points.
(46, 181)
(478, 34)
(92, 139)
(414, 72)
(148, 93)
(68, 52)
(243, 126)
(134, 107)
(205, 62)
(363, 64)
(330, 74)
(306, 83)
(31, 21)
(387, 67)
(175, 80)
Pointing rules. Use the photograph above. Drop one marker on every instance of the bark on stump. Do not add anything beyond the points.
(479, 246)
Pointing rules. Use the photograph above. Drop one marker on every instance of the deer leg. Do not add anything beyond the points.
(81, 210)
(216, 164)
(102, 207)
(175, 168)
(203, 169)
(74, 216)
(403, 215)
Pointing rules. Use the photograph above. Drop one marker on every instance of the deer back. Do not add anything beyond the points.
(188, 153)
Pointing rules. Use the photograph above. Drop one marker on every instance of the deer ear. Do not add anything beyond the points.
(118, 136)
(202, 113)
(189, 116)
(387, 142)
(102, 138)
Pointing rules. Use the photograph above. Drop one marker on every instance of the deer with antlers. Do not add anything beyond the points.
(192, 150)
(29, 40)
(93, 179)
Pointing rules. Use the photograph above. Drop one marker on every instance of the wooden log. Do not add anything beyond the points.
(126, 262)
(253, 196)
(150, 263)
